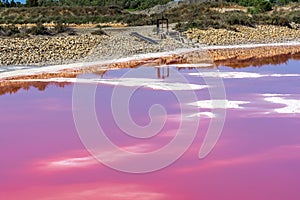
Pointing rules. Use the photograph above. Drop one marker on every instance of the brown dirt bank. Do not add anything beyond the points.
(243, 57)
(258, 62)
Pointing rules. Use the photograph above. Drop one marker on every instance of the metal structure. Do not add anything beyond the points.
(161, 21)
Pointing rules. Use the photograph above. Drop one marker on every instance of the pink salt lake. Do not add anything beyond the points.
(257, 156)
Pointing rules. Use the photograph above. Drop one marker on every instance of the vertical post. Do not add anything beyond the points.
(167, 25)
(162, 21)
(157, 26)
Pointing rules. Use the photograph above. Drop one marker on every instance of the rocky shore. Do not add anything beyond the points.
(244, 35)
(41, 50)
(122, 44)
(85, 47)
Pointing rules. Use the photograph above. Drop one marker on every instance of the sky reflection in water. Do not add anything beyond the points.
(257, 156)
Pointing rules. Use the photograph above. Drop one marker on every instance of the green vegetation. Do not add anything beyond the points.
(201, 15)
(218, 20)
(38, 29)
(256, 6)
(61, 14)
(124, 4)
(11, 3)
(9, 30)
(262, 3)
(71, 14)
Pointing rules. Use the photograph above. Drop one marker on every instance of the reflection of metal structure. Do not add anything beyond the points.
(162, 21)
(163, 72)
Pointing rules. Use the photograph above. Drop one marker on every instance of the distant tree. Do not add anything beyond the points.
(264, 6)
(127, 4)
(31, 3)
(13, 3)
(283, 2)
(6, 3)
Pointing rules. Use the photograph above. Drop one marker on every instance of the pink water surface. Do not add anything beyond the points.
(256, 158)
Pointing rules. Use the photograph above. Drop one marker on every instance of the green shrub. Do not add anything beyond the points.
(62, 28)
(238, 18)
(253, 10)
(9, 30)
(39, 29)
(280, 21)
(294, 16)
(264, 6)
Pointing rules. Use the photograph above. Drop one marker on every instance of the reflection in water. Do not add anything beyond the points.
(8, 87)
(163, 72)
(257, 157)
(12, 85)
(258, 62)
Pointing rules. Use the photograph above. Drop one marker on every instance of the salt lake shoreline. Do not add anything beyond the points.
(86, 48)
(229, 54)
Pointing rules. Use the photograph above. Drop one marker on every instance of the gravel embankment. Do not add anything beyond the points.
(244, 35)
(45, 50)
(121, 44)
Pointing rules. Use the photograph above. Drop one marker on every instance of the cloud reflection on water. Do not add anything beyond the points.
(240, 75)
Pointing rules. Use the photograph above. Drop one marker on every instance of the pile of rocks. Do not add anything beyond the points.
(41, 50)
(121, 44)
(46, 50)
(83, 47)
(243, 35)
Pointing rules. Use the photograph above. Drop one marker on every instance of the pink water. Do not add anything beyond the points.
(256, 158)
